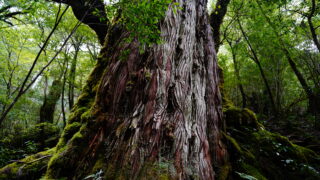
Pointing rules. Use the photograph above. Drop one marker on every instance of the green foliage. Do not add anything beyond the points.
(141, 18)
(288, 19)
(18, 48)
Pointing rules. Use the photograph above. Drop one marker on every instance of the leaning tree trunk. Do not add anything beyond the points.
(155, 114)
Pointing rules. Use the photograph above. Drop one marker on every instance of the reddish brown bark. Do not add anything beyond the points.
(159, 107)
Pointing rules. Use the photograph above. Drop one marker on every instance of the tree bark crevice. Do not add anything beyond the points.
(164, 100)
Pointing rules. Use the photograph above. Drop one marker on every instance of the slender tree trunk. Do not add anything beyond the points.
(72, 77)
(45, 90)
(279, 88)
(257, 61)
(76, 42)
(156, 114)
(64, 75)
(50, 101)
(237, 74)
(313, 98)
(311, 26)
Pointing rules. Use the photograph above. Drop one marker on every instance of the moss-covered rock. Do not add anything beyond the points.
(256, 153)
(29, 141)
(236, 117)
(31, 167)
(51, 134)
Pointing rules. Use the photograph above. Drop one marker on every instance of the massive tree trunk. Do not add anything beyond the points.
(155, 114)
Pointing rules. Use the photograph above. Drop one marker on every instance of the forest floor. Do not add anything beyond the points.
(299, 129)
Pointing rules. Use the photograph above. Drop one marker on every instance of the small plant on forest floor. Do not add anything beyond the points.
(96, 176)
(246, 176)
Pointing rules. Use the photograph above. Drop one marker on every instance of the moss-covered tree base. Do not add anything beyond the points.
(254, 154)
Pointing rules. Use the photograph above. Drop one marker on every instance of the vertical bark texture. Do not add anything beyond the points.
(156, 113)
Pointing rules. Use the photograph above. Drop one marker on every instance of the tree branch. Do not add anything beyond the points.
(91, 13)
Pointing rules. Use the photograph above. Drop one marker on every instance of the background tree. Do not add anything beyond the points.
(17, 54)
